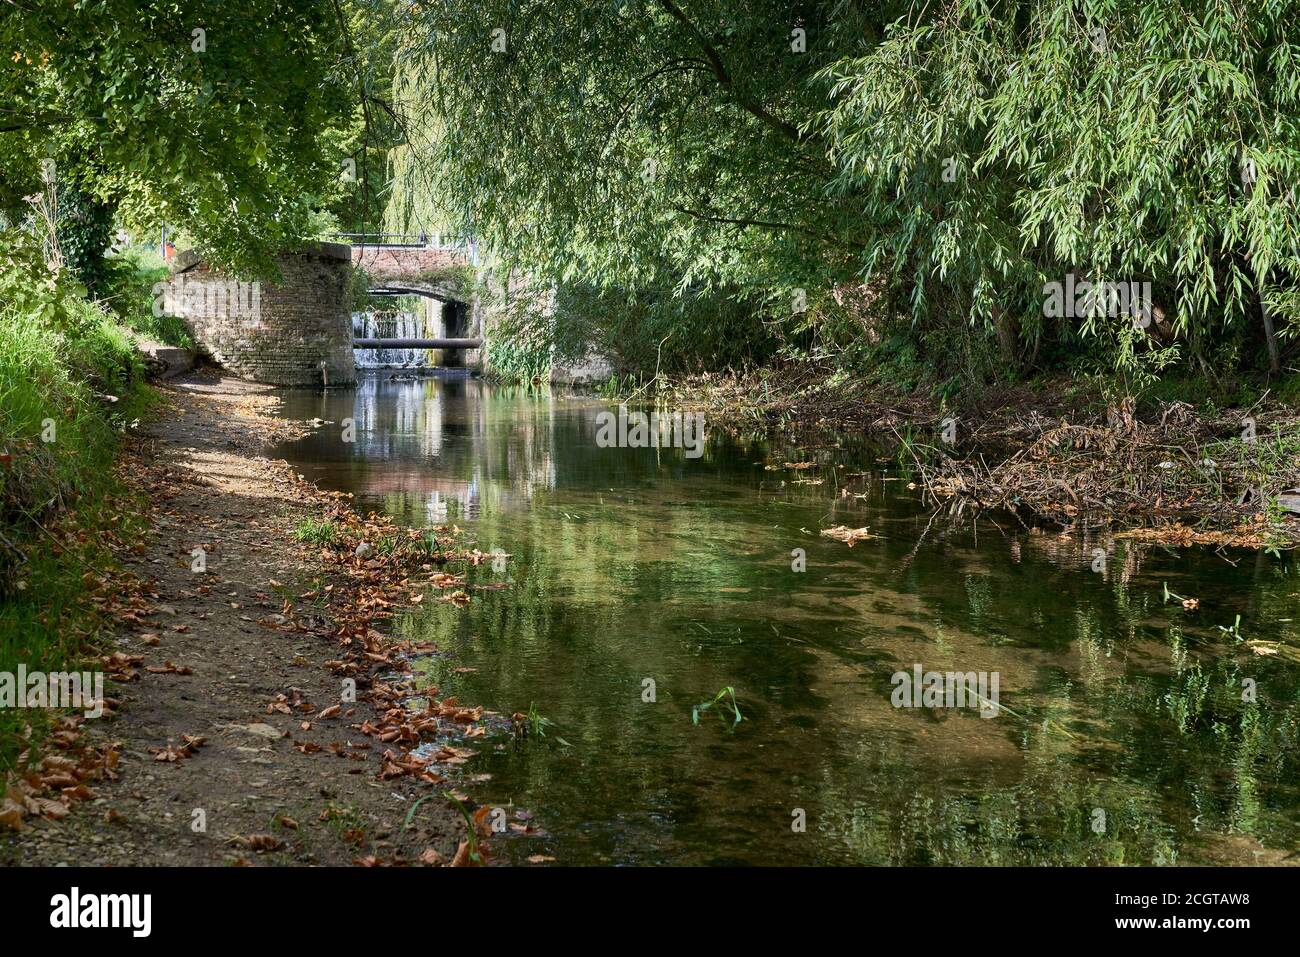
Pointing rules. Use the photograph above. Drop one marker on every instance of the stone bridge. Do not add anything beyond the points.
(299, 331)
(444, 271)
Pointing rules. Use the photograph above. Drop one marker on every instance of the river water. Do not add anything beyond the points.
(1130, 729)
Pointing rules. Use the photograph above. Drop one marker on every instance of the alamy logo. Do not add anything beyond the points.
(208, 298)
(103, 910)
(977, 690)
(82, 691)
(1082, 299)
(636, 430)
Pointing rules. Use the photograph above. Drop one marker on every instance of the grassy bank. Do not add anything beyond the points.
(134, 273)
(70, 388)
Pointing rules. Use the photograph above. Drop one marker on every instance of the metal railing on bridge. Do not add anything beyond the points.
(416, 240)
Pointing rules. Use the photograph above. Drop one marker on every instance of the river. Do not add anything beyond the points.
(642, 582)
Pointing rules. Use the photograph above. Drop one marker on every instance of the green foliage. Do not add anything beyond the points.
(536, 724)
(28, 287)
(726, 694)
(317, 532)
(45, 617)
(471, 829)
(650, 332)
(951, 159)
(656, 331)
(133, 275)
(1115, 155)
(61, 358)
(84, 226)
(512, 358)
(359, 289)
(605, 146)
(621, 164)
(57, 351)
(459, 280)
(223, 132)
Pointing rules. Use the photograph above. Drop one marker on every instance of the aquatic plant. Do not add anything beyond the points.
(535, 723)
(1233, 631)
(727, 692)
(471, 837)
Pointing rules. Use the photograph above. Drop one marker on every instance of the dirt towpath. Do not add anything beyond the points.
(310, 786)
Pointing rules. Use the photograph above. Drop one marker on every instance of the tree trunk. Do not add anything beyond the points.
(1007, 327)
(1270, 337)
(1270, 334)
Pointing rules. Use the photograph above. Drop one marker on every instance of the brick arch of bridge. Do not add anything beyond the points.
(444, 273)
(457, 311)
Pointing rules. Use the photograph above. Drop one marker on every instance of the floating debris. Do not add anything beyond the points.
(849, 536)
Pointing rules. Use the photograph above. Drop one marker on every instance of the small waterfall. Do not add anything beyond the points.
(388, 325)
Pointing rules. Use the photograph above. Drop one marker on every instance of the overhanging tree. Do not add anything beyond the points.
(211, 115)
(957, 156)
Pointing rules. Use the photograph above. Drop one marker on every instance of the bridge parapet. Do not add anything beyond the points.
(446, 273)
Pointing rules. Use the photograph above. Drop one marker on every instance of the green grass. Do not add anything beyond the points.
(59, 424)
(47, 622)
(1270, 464)
(471, 830)
(134, 273)
(427, 545)
(720, 698)
(61, 505)
(518, 361)
(393, 542)
(318, 532)
(1288, 389)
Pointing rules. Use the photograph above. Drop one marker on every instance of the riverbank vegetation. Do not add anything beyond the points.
(930, 205)
(909, 187)
(118, 118)
(1219, 470)
(70, 386)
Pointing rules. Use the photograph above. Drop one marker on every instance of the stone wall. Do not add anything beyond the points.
(592, 369)
(275, 333)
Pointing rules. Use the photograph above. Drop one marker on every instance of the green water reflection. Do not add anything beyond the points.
(1127, 739)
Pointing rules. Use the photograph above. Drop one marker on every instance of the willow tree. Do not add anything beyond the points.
(957, 157)
(1119, 140)
(648, 146)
